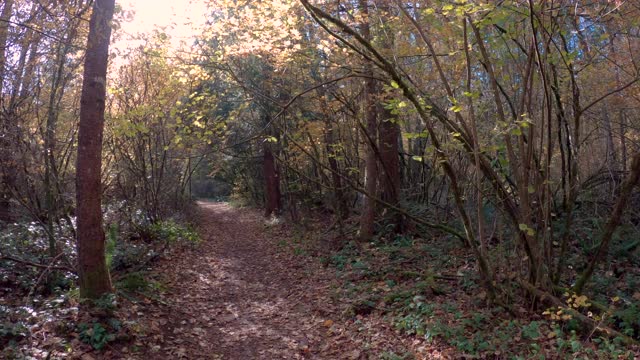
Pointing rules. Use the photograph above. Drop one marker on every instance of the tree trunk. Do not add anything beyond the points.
(26, 83)
(610, 148)
(4, 35)
(5, 155)
(92, 268)
(332, 154)
(271, 182)
(623, 141)
(51, 172)
(368, 215)
(390, 176)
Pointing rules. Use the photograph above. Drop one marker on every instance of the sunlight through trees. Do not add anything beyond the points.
(491, 148)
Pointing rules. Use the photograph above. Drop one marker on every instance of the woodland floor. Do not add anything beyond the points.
(259, 289)
(241, 295)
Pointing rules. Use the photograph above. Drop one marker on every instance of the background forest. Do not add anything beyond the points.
(466, 167)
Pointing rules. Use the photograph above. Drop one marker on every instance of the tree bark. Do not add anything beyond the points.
(5, 156)
(332, 153)
(92, 268)
(4, 35)
(271, 182)
(610, 147)
(390, 177)
(367, 218)
(51, 172)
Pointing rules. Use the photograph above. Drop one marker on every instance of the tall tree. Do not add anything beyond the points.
(4, 33)
(389, 140)
(271, 182)
(389, 135)
(5, 177)
(367, 219)
(92, 267)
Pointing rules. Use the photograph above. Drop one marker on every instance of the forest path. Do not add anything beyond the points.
(241, 295)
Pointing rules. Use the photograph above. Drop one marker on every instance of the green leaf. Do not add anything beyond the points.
(527, 229)
(473, 95)
(395, 85)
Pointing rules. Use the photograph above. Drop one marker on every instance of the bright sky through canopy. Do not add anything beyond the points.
(183, 20)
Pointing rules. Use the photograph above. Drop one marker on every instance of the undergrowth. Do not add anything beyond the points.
(34, 297)
(429, 289)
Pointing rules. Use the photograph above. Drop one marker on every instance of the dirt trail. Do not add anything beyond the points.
(240, 295)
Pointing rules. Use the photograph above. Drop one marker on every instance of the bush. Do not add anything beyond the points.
(171, 231)
(95, 335)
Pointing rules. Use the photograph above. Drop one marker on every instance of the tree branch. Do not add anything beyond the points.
(37, 265)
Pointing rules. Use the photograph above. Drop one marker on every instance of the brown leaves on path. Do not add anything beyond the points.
(240, 295)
